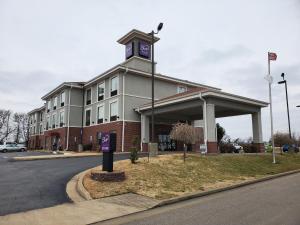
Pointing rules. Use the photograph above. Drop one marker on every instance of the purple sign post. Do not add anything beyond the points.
(105, 142)
(144, 49)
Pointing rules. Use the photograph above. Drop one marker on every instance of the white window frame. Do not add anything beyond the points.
(49, 105)
(61, 99)
(63, 122)
(55, 103)
(109, 109)
(85, 99)
(87, 109)
(48, 120)
(98, 106)
(53, 115)
(41, 128)
(103, 82)
(181, 86)
(118, 85)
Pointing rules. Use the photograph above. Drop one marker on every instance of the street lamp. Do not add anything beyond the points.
(159, 27)
(298, 106)
(287, 102)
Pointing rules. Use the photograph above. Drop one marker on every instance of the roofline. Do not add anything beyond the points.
(59, 87)
(37, 109)
(203, 94)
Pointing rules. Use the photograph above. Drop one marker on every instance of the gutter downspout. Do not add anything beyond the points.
(123, 108)
(69, 108)
(205, 120)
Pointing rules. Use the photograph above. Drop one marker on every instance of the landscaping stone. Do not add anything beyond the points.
(99, 175)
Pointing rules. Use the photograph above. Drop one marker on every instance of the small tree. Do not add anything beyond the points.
(184, 133)
(220, 132)
(134, 149)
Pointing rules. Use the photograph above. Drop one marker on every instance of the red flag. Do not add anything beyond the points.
(272, 56)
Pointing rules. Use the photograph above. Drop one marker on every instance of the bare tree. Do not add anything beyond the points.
(184, 133)
(5, 124)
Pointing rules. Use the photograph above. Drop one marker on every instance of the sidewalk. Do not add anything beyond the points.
(66, 154)
(82, 213)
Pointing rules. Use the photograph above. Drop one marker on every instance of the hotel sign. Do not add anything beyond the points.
(105, 142)
(129, 50)
(144, 49)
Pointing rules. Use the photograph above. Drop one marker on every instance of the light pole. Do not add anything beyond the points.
(287, 102)
(159, 27)
(298, 106)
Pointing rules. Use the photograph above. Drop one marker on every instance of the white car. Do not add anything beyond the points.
(237, 148)
(11, 147)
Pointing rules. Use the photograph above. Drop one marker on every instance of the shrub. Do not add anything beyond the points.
(133, 155)
(134, 149)
(226, 148)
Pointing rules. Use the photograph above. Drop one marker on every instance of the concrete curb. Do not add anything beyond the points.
(201, 193)
(75, 190)
(47, 157)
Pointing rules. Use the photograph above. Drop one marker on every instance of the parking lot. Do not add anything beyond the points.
(27, 185)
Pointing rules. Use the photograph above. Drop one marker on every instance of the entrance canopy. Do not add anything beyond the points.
(203, 105)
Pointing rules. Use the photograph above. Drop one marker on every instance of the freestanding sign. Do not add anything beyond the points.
(108, 145)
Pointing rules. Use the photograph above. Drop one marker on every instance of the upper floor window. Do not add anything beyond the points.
(61, 119)
(181, 89)
(41, 128)
(62, 98)
(88, 117)
(100, 114)
(48, 123)
(49, 106)
(41, 116)
(53, 121)
(88, 97)
(55, 103)
(101, 89)
(114, 111)
(114, 86)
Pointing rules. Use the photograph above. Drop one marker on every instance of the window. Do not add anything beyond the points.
(41, 116)
(53, 121)
(114, 111)
(114, 86)
(33, 130)
(55, 103)
(101, 88)
(62, 98)
(49, 106)
(61, 119)
(88, 97)
(41, 128)
(181, 89)
(48, 123)
(88, 117)
(100, 114)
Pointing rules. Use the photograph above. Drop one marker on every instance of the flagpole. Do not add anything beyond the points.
(271, 111)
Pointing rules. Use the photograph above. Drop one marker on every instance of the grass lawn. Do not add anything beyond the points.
(167, 176)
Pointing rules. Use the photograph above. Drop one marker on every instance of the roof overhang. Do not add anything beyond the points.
(205, 95)
(136, 34)
(37, 110)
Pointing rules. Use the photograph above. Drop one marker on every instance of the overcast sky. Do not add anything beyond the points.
(218, 43)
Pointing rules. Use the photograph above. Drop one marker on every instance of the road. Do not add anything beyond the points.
(274, 202)
(26, 185)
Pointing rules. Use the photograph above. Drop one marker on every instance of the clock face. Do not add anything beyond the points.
(129, 50)
(144, 49)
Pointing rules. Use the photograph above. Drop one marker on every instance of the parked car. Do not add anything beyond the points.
(287, 148)
(237, 148)
(10, 147)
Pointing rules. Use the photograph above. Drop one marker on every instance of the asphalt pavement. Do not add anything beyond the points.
(27, 185)
(273, 202)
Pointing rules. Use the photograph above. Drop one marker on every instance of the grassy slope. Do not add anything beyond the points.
(167, 176)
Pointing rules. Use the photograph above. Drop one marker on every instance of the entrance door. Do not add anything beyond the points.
(165, 143)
